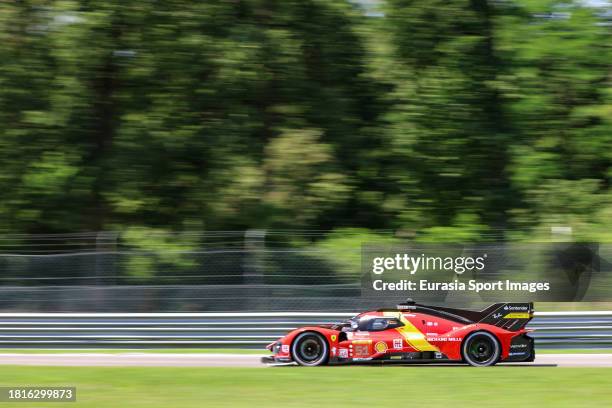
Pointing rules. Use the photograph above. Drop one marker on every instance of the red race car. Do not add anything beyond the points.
(414, 333)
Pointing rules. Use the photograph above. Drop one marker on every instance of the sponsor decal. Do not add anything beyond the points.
(343, 353)
(432, 323)
(497, 315)
(398, 344)
(520, 345)
(381, 346)
(361, 350)
(517, 316)
(352, 335)
(333, 337)
(395, 357)
(443, 339)
(285, 348)
(333, 351)
(517, 308)
(437, 354)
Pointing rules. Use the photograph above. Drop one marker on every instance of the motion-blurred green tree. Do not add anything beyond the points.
(454, 118)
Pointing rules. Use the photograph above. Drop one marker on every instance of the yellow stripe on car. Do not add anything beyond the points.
(411, 334)
(517, 316)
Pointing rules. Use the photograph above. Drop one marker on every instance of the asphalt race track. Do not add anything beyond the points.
(239, 360)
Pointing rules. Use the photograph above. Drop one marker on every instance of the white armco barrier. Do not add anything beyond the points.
(238, 329)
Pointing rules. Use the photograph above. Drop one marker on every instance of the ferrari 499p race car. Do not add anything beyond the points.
(414, 332)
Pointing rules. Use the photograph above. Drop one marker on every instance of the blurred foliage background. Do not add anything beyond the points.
(462, 120)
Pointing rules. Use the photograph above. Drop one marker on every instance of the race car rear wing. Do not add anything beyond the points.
(509, 316)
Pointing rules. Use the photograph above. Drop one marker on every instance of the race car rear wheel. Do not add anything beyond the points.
(309, 349)
(481, 349)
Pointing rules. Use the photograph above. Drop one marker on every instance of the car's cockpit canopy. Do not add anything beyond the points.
(371, 323)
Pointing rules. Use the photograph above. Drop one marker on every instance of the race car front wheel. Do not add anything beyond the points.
(481, 349)
(309, 349)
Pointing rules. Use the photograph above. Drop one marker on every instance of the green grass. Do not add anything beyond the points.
(322, 387)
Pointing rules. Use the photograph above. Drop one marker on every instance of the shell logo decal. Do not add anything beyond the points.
(381, 347)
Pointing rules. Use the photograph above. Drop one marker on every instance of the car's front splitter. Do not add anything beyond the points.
(270, 360)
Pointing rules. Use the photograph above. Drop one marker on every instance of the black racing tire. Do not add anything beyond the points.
(481, 349)
(310, 349)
